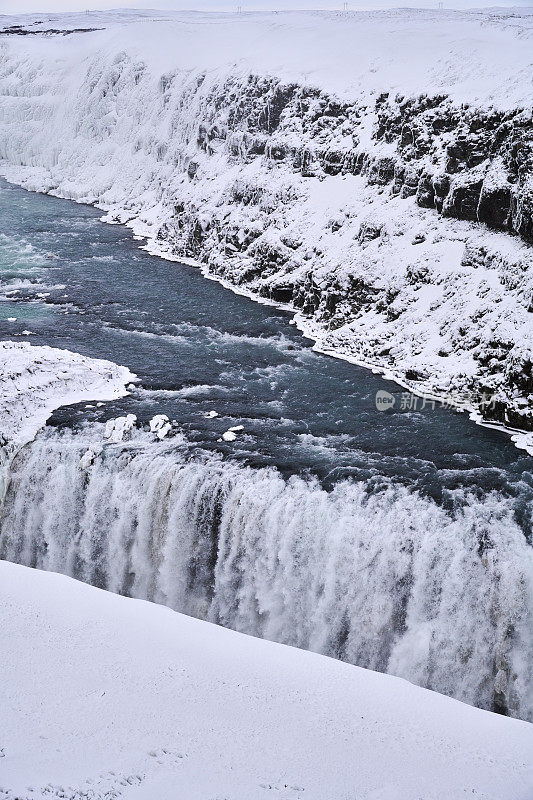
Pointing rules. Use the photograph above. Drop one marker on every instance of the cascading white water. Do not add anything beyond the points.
(375, 574)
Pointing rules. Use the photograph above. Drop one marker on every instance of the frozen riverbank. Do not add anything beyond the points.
(34, 381)
(152, 700)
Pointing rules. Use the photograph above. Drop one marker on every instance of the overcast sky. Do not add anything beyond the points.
(13, 6)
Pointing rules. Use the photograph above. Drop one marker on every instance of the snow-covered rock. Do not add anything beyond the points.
(160, 425)
(90, 454)
(153, 704)
(231, 434)
(116, 429)
(364, 168)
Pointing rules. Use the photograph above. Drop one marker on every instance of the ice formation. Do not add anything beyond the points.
(116, 429)
(160, 425)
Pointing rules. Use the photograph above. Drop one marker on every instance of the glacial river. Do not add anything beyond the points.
(397, 540)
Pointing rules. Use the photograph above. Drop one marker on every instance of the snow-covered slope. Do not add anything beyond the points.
(479, 56)
(366, 168)
(106, 697)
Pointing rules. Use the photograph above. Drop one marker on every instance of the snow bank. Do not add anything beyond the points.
(36, 380)
(104, 696)
(474, 56)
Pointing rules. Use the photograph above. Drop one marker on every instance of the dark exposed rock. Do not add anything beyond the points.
(381, 171)
(414, 375)
(332, 162)
(441, 187)
(18, 30)
(192, 169)
(410, 185)
(522, 215)
(281, 294)
(463, 199)
(278, 101)
(399, 175)
(425, 191)
(494, 206)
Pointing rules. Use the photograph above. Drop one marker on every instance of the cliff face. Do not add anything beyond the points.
(323, 210)
(398, 222)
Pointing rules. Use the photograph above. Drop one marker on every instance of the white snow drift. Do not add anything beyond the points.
(104, 697)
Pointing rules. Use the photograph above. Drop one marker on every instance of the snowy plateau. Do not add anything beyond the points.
(371, 170)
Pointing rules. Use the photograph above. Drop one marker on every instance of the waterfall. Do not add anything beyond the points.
(369, 572)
